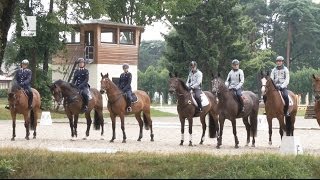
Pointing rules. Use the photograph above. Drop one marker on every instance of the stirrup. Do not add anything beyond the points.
(129, 109)
(7, 107)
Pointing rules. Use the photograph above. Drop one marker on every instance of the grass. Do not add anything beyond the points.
(26, 164)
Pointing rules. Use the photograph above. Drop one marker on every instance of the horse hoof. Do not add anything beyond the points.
(34, 137)
(236, 146)
(253, 145)
(111, 141)
(12, 139)
(27, 138)
(270, 143)
(101, 138)
(124, 141)
(139, 139)
(218, 147)
(190, 143)
(84, 138)
(201, 142)
(151, 140)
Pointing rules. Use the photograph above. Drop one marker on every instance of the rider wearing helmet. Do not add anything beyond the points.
(23, 79)
(194, 82)
(280, 76)
(80, 79)
(235, 80)
(125, 85)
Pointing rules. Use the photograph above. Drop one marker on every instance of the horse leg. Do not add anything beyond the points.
(190, 120)
(221, 122)
(269, 119)
(14, 116)
(146, 115)
(204, 127)
(124, 139)
(113, 121)
(89, 121)
(35, 123)
(71, 124)
(140, 122)
(76, 117)
(246, 123)
(26, 125)
(234, 129)
(282, 126)
(182, 122)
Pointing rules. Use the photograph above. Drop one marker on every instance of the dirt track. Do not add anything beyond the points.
(167, 137)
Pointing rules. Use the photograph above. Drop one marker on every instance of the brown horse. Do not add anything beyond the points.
(229, 109)
(117, 107)
(72, 103)
(316, 92)
(187, 110)
(18, 104)
(274, 107)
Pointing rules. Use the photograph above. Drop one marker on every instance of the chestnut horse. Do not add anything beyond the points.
(316, 92)
(274, 107)
(229, 109)
(117, 107)
(18, 104)
(72, 103)
(187, 110)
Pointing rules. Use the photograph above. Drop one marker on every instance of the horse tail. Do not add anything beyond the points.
(213, 126)
(97, 120)
(146, 122)
(289, 126)
(253, 125)
(32, 120)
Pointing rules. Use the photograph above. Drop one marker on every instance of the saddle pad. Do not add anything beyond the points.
(204, 99)
(290, 99)
(89, 95)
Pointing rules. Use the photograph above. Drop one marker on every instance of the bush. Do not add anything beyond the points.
(5, 168)
(3, 93)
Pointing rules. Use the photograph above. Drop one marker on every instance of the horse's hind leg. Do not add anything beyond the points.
(204, 127)
(234, 129)
(246, 123)
(140, 122)
(124, 139)
(182, 122)
(89, 121)
(26, 125)
(71, 124)
(148, 123)
(190, 120)
(270, 129)
(221, 122)
(113, 121)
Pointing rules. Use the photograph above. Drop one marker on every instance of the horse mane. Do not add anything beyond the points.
(65, 84)
(184, 86)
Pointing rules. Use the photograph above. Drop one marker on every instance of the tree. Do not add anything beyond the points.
(6, 13)
(150, 53)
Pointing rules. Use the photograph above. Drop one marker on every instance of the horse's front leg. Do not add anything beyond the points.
(70, 117)
(234, 129)
(76, 117)
(113, 121)
(182, 122)
(221, 123)
(89, 121)
(247, 125)
(140, 122)
(124, 139)
(269, 119)
(14, 116)
(27, 125)
(190, 120)
(282, 125)
(204, 127)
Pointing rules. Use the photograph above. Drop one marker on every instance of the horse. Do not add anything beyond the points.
(117, 107)
(72, 103)
(229, 109)
(316, 91)
(274, 106)
(18, 104)
(187, 110)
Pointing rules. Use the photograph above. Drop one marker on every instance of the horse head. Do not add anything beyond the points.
(216, 84)
(56, 92)
(104, 83)
(14, 95)
(266, 83)
(316, 87)
(176, 84)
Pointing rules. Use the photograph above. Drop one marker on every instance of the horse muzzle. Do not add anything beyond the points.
(102, 91)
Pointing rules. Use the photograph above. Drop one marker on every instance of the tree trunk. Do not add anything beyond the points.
(46, 51)
(6, 14)
(289, 43)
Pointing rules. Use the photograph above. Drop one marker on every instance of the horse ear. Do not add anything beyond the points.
(176, 74)
(261, 73)
(101, 75)
(268, 73)
(314, 77)
(218, 74)
(170, 75)
(107, 75)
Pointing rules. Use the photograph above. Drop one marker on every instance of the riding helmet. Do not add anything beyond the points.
(193, 63)
(280, 58)
(235, 61)
(25, 61)
(125, 66)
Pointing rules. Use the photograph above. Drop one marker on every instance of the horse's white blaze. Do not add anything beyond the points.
(263, 85)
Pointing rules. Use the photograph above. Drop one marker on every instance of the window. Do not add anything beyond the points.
(127, 36)
(108, 36)
(70, 37)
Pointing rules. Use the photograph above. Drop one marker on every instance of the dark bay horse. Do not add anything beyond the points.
(72, 103)
(117, 107)
(274, 107)
(229, 107)
(187, 110)
(316, 92)
(18, 104)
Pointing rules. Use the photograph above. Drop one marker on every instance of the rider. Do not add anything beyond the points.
(194, 82)
(280, 76)
(235, 81)
(80, 79)
(125, 85)
(23, 78)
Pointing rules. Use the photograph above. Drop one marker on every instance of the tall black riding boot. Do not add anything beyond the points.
(199, 104)
(30, 98)
(241, 104)
(85, 103)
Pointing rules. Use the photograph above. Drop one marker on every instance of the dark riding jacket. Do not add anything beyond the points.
(125, 82)
(81, 78)
(23, 78)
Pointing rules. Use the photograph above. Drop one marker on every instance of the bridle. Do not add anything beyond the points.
(117, 96)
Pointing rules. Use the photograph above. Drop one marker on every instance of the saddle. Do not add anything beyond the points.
(203, 97)
(134, 98)
(290, 108)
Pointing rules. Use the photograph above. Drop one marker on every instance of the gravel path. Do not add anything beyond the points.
(57, 137)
